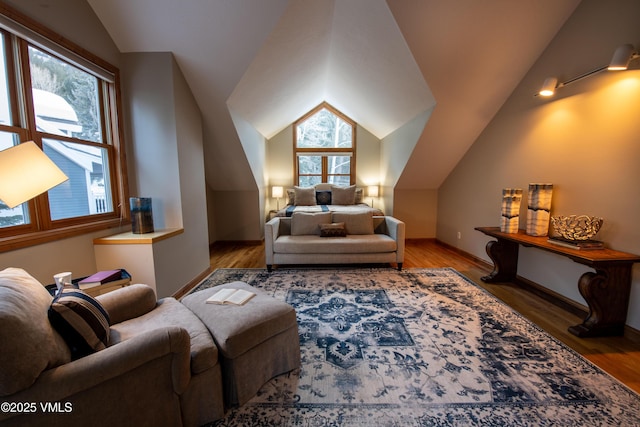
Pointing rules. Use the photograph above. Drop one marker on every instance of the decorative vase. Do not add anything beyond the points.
(510, 215)
(141, 215)
(539, 209)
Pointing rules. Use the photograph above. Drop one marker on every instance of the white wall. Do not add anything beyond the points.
(188, 255)
(419, 211)
(584, 141)
(236, 215)
(254, 146)
(395, 149)
(166, 137)
(149, 103)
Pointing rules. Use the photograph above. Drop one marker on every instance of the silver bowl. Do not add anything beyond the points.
(577, 227)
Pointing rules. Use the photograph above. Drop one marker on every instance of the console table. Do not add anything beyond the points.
(606, 290)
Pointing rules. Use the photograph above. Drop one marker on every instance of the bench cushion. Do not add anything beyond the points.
(352, 244)
(236, 329)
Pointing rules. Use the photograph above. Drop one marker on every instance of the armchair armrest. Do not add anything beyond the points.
(121, 360)
(128, 302)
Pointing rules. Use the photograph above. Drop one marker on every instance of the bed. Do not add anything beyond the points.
(326, 198)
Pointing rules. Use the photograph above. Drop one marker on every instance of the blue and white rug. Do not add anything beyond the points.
(421, 347)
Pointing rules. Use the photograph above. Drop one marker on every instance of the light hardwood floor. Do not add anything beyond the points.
(619, 356)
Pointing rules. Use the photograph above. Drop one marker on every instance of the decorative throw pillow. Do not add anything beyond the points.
(305, 223)
(355, 222)
(323, 197)
(335, 229)
(81, 320)
(305, 196)
(343, 195)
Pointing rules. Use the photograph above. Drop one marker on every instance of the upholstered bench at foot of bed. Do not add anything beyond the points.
(257, 341)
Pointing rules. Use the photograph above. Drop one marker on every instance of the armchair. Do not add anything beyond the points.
(160, 367)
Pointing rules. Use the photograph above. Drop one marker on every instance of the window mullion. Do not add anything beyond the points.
(26, 98)
(325, 169)
(12, 75)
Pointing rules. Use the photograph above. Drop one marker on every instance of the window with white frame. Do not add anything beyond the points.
(65, 100)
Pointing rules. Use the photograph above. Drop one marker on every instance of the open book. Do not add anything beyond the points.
(230, 296)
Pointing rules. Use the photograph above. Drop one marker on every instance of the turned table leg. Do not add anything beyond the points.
(607, 294)
(504, 255)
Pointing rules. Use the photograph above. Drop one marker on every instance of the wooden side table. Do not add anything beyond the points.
(606, 290)
(139, 255)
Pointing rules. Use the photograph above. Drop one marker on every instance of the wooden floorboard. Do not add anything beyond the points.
(619, 356)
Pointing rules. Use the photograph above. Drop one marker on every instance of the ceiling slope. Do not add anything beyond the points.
(272, 60)
(472, 54)
(213, 41)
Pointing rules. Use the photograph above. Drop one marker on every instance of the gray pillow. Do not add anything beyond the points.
(305, 223)
(355, 222)
(305, 196)
(343, 195)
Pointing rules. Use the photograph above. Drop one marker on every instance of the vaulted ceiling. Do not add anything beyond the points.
(380, 62)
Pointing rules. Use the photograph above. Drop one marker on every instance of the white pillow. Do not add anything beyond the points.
(355, 222)
(306, 223)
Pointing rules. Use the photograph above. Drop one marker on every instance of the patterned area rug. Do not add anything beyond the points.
(421, 347)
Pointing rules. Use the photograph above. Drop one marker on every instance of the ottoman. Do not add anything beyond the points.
(256, 341)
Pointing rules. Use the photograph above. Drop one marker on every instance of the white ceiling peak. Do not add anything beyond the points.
(252, 57)
(349, 53)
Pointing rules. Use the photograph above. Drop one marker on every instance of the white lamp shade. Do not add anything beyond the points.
(277, 191)
(372, 191)
(25, 172)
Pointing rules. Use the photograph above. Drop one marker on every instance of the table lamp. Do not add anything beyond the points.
(372, 191)
(277, 192)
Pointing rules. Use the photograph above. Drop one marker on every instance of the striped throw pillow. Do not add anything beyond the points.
(81, 321)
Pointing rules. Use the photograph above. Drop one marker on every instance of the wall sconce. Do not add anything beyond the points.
(277, 192)
(548, 87)
(372, 191)
(620, 61)
(621, 58)
(26, 172)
